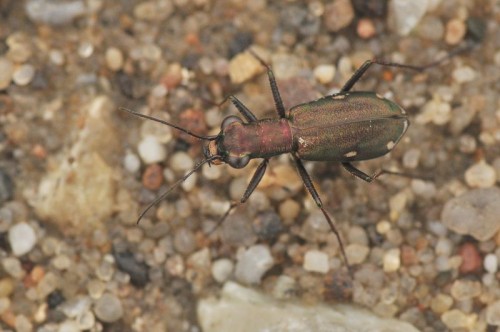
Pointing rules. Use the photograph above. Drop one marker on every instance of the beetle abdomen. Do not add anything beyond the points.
(347, 127)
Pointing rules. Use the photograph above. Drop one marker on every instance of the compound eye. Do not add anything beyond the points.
(238, 162)
(230, 119)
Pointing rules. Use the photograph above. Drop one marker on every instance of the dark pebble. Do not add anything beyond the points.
(267, 226)
(138, 271)
(240, 42)
(370, 8)
(6, 186)
(55, 298)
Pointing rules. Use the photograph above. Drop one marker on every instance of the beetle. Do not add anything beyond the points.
(343, 127)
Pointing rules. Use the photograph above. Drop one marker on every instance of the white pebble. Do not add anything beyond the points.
(316, 261)
(22, 238)
(464, 74)
(392, 260)
(150, 150)
(211, 172)
(131, 162)
(356, 253)
(6, 72)
(181, 162)
(324, 73)
(222, 269)
(253, 263)
(108, 308)
(190, 182)
(24, 75)
(480, 175)
(491, 263)
(407, 14)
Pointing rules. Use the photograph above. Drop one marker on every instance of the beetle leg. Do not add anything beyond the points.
(360, 174)
(243, 109)
(278, 102)
(361, 70)
(310, 187)
(254, 182)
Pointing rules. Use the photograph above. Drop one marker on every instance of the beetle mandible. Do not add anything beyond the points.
(343, 127)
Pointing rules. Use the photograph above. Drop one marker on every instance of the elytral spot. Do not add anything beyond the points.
(351, 154)
(390, 145)
(302, 142)
(379, 96)
(406, 123)
(339, 96)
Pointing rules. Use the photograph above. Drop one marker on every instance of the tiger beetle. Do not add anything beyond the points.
(344, 127)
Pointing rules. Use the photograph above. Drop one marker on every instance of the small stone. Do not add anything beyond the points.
(152, 178)
(358, 235)
(366, 28)
(474, 213)
(6, 185)
(128, 263)
(6, 287)
(23, 324)
(6, 72)
(184, 241)
(284, 288)
(108, 308)
(24, 75)
(411, 158)
(4, 304)
(480, 175)
(491, 263)
(68, 326)
(181, 162)
(436, 111)
(222, 269)
(407, 14)
(493, 313)
(114, 58)
(253, 263)
(150, 150)
(441, 303)
(455, 31)
(324, 73)
(465, 289)
(153, 10)
(471, 258)
(75, 307)
(210, 172)
(289, 209)
(464, 74)
(131, 162)
(338, 15)
(22, 238)
(456, 319)
(46, 11)
(356, 253)
(392, 260)
(316, 261)
(243, 67)
(189, 184)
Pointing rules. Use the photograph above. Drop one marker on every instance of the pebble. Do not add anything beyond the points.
(491, 263)
(316, 261)
(76, 307)
(471, 258)
(407, 14)
(114, 58)
(456, 319)
(464, 74)
(392, 260)
(22, 238)
(6, 72)
(152, 178)
(6, 185)
(181, 162)
(131, 162)
(127, 262)
(455, 31)
(474, 213)
(108, 308)
(23, 324)
(49, 12)
(463, 289)
(222, 269)
(338, 15)
(23, 75)
(436, 111)
(493, 313)
(357, 235)
(69, 326)
(441, 303)
(324, 74)
(253, 263)
(56, 57)
(411, 158)
(211, 172)
(356, 253)
(480, 175)
(190, 182)
(184, 241)
(6, 287)
(150, 150)
(13, 267)
(243, 67)
(289, 209)
(366, 28)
